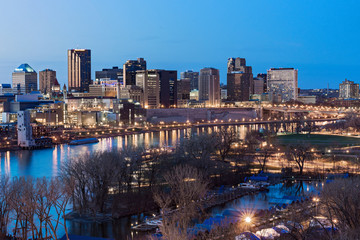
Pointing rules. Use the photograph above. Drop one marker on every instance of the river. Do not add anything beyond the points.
(47, 162)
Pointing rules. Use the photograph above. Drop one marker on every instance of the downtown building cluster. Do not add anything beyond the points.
(122, 95)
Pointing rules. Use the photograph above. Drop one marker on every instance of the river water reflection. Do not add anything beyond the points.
(47, 162)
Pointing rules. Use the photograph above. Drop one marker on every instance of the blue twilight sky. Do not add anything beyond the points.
(319, 37)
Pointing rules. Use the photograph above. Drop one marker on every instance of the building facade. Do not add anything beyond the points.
(79, 70)
(114, 73)
(282, 84)
(24, 79)
(149, 82)
(191, 76)
(47, 79)
(348, 89)
(183, 92)
(130, 68)
(168, 88)
(260, 84)
(239, 80)
(209, 86)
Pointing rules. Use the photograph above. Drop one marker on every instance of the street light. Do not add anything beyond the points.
(316, 200)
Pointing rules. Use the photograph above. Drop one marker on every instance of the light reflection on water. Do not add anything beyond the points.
(47, 162)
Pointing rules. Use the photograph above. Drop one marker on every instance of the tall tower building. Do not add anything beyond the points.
(348, 89)
(159, 87)
(282, 84)
(130, 68)
(168, 88)
(239, 80)
(79, 69)
(191, 76)
(47, 79)
(24, 79)
(209, 86)
(149, 82)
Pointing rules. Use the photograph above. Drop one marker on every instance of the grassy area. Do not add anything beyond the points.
(318, 140)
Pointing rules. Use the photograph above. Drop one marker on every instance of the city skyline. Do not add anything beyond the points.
(315, 41)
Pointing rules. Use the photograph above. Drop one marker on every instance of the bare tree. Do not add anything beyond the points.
(300, 154)
(226, 137)
(185, 187)
(38, 207)
(341, 203)
(5, 191)
(197, 150)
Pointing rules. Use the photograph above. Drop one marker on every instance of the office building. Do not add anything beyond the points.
(282, 84)
(193, 77)
(149, 82)
(348, 89)
(183, 92)
(6, 89)
(130, 68)
(260, 84)
(239, 80)
(209, 86)
(159, 87)
(24, 79)
(79, 70)
(114, 73)
(132, 92)
(223, 94)
(47, 79)
(168, 88)
(103, 88)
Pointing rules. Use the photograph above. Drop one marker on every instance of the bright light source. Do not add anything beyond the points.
(248, 219)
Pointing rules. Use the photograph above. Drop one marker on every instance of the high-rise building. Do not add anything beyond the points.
(239, 80)
(47, 79)
(79, 69)
(209, 86)
(193, 77)
(159, 86)
(183, 92)
(282, 84)
(24, 79)
(260, 84)
(168, 88)
(130, 68)
(348, 89)
(149, 82)
(114, 73)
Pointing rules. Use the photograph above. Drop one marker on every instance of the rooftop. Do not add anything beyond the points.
(24, 68)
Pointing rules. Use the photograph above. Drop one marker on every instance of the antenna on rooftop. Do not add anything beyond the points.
(327, 93)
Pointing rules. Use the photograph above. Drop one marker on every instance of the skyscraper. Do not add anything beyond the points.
(239, 80)
(149, 82)
(159, 86)
(168, 88)
(47, 79)
(193, 77)
(24, 79)
(282, 84)
(79, 69)
(348, 89)
(209, 86)
(130, 68)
